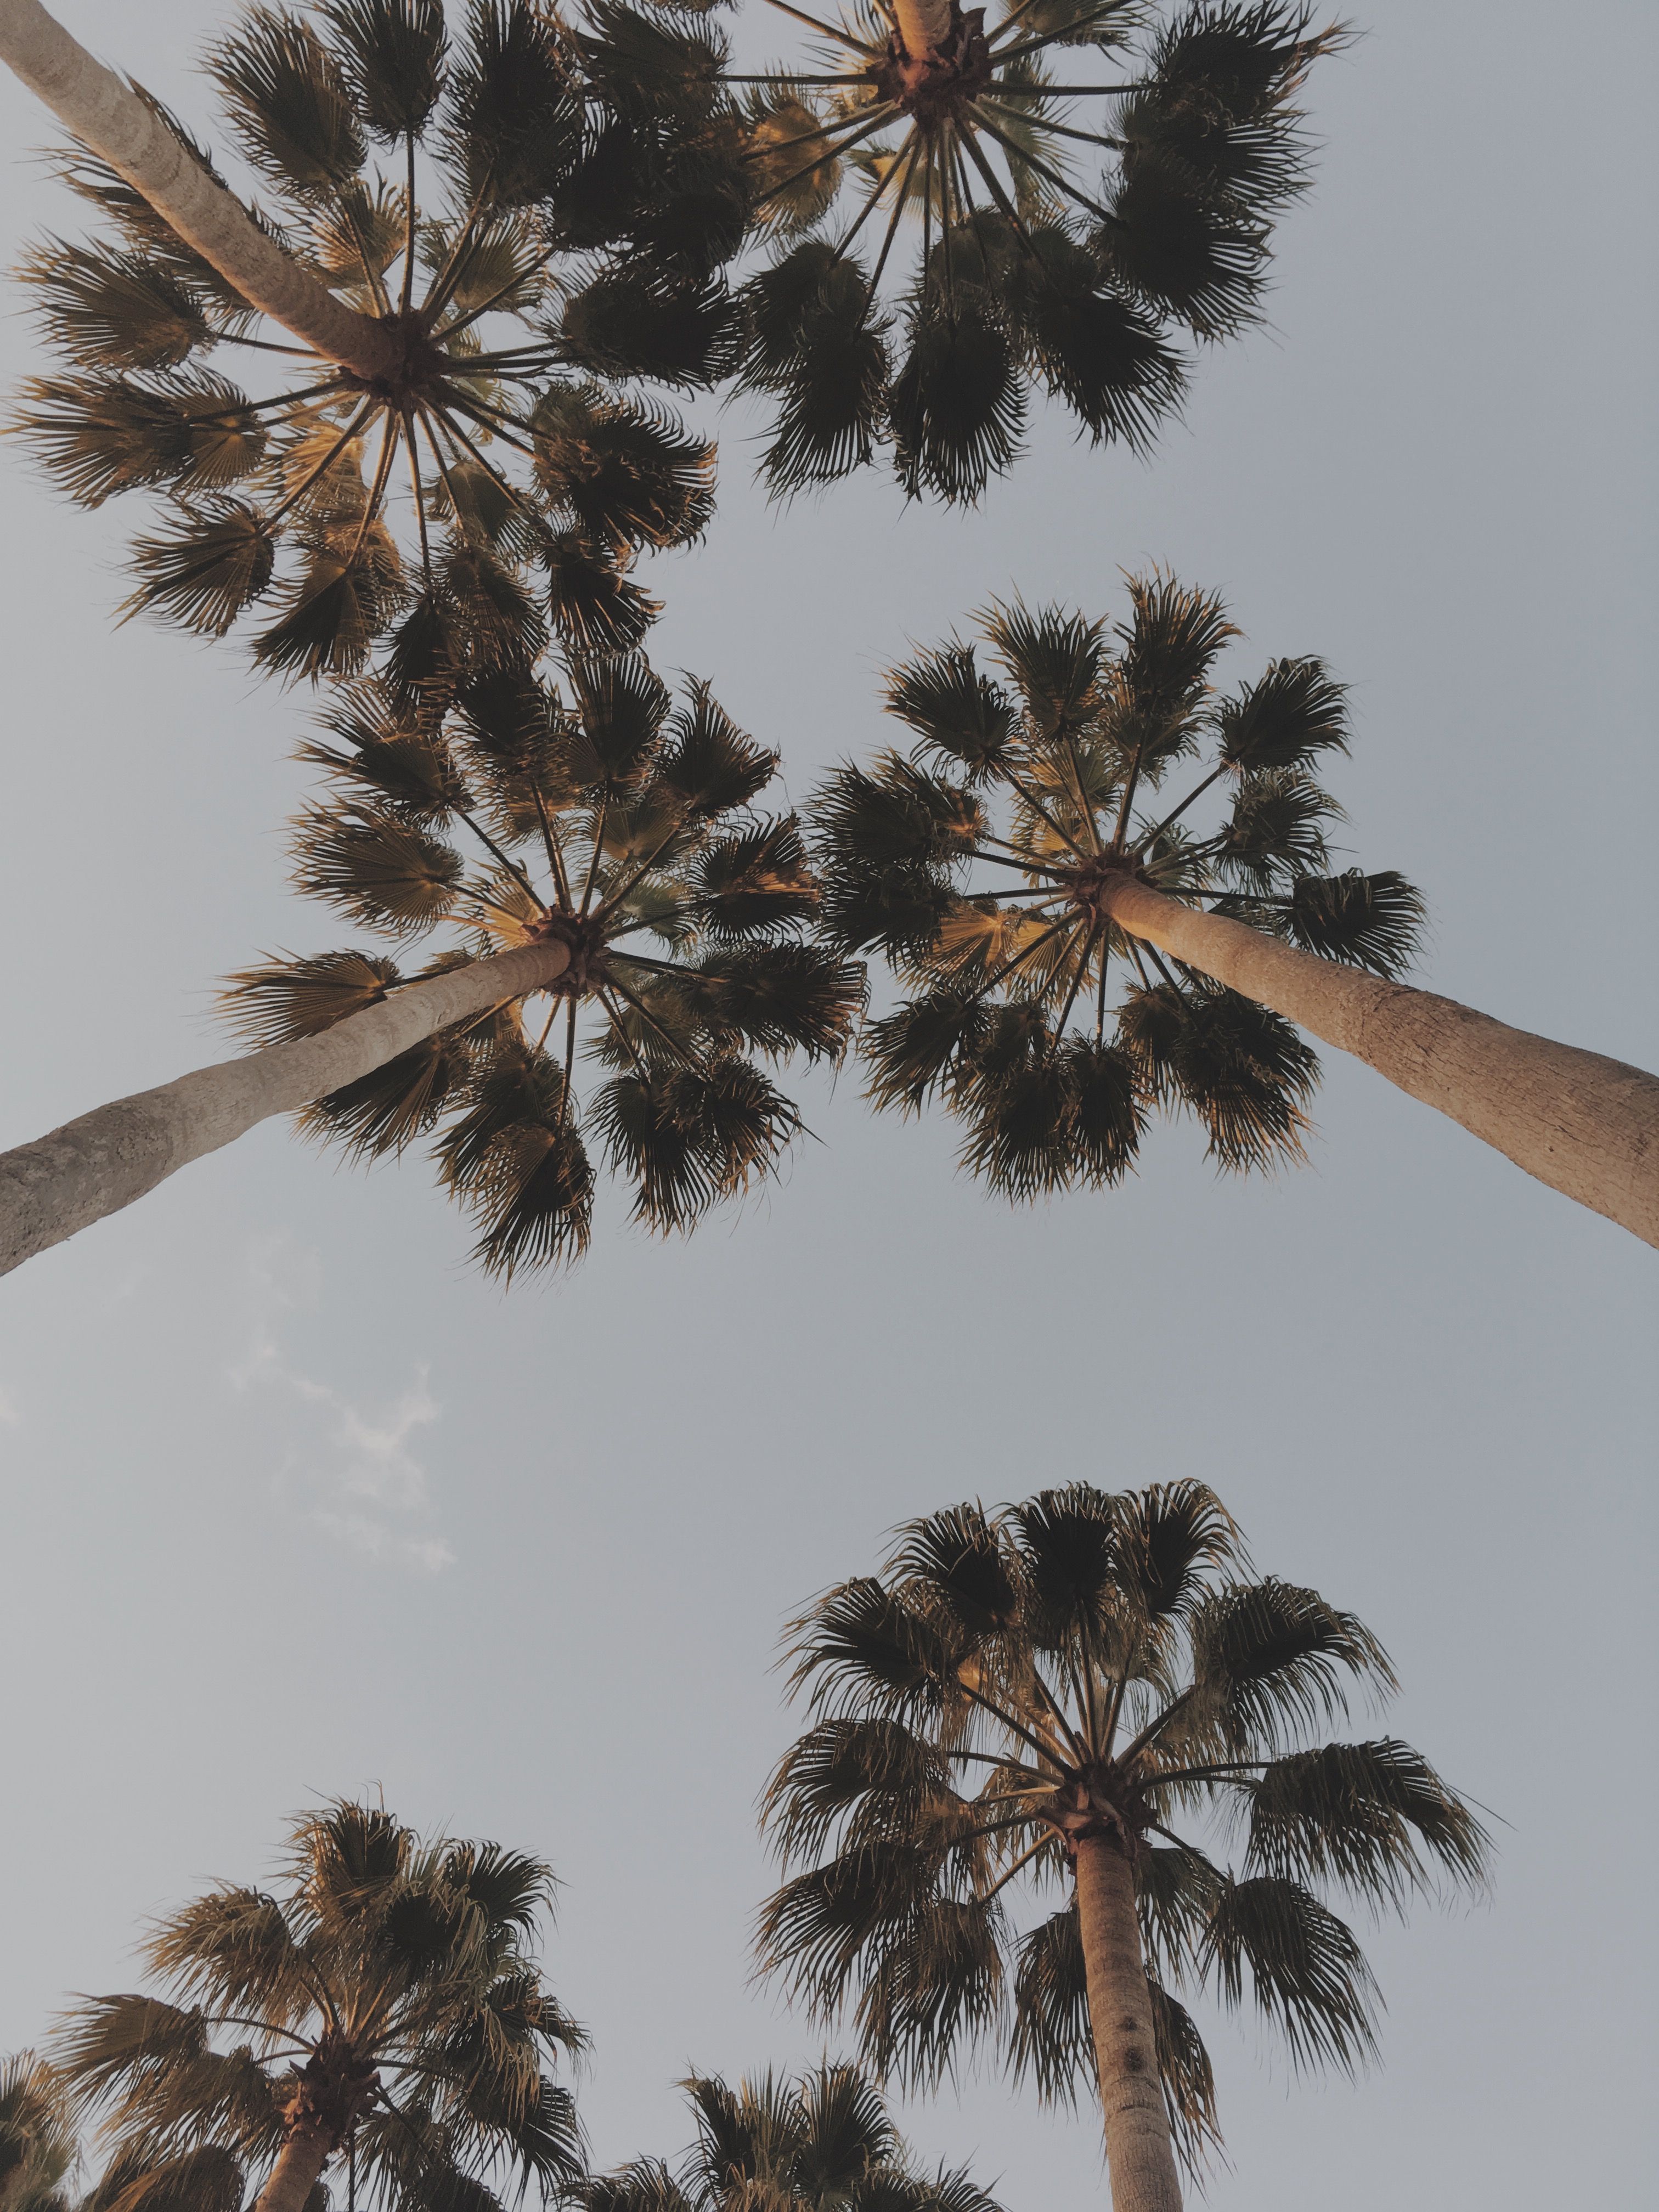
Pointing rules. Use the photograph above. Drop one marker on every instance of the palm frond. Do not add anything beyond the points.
(1242, 1070)
(1293, 713)
(628, 474)
(288, 104)
(393, 54)
(957, 403)
(1269, 1659)
(374, 865)
(299, 997)
(107, 310)
(1375, 1817)
(1307, 1975)
(1375, 922)
(206, 571)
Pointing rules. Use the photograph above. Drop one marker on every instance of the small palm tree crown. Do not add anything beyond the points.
(607, 820)
(387, 2009)
(532, 241)
(1089, 1666)
(1027, 271)
(977, 863)
(823, 2142)
(37, 2142)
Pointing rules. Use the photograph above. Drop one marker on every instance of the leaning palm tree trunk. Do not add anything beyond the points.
(1586, 1125)
(1139, 2155)
(298, 2169)
(104, 1160)
(106, 114)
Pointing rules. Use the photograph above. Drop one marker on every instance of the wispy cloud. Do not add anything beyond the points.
(358, 1466)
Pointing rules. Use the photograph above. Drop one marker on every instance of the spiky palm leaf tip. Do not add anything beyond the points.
(976, 863)
(821, 2141)
(492, 190)
(383, 2010)
(1089, 1665)
(632, 830)
(959, 217)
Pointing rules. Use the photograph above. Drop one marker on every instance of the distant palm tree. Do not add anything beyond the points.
(534, 218)
(1027, 1700)
(823, 2142)
(386, 2011)
(598, 823)
(1023, 271)
(1024, 871)
(37, 2144)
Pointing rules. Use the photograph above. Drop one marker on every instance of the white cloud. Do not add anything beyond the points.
(366, 1488)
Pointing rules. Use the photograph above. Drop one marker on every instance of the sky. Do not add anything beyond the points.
(296, 1504)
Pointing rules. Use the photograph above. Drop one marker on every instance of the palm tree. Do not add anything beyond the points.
(823, 2142)
(1025, 870)
(1027, 268)
(599, 823)
(1026, 1700)
(387, 2010)
(463, 310)
(37, 2145)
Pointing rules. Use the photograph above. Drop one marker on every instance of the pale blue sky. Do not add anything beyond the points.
(296, 1504)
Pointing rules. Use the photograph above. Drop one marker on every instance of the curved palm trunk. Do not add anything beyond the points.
(104, 1160)
(1586, 1125)
(1139, 2155)
(103, 112)
(298, 2169)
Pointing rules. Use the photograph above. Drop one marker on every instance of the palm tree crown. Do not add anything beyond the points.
(604, 822)
(388, 2007)
(37, 2144)
(823, 2142)
(536, 235)
(980, 862)
(1089, 1673)
(1025, 270)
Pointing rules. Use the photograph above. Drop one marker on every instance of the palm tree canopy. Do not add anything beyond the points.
(612, 819)
(822, 2142)
(528, 233)
(1089, 1664)
(959, 216)
(975, 862)
(390, 1996)
(37, 2142)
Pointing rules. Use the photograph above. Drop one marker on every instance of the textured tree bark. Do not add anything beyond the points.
(298, 2169)
(101, 1161)
(103, 112)
(1586, 1125)
(1139, 2155)
(923, 25)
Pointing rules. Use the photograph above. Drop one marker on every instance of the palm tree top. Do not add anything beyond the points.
(1091, 1667)
(37, 2142)
(822, 2140)
(962, 214)
(386, 2004)
(626, 828)
(978, 863)
(488, 193)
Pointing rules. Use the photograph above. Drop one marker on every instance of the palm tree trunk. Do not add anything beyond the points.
(298, 2169)
(104, 1160)
(1139, 2155)
(1586, 1125)
(104, 113)
(923, 25)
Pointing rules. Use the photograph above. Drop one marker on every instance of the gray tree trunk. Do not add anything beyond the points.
(104, 113)
(1139, 2153)
(1586, 1125)
(104, 1160)
(298, 2169)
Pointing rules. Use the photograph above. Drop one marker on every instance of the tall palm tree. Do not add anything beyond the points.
(37, 2144)
(1040, 255)
(823, 2142)
(1070, 1694)
(597, 823)
(474, 234)
(1026, 870)
(385, 2011)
